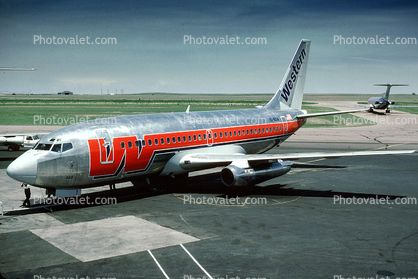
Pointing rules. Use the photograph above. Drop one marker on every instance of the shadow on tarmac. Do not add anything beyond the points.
(202, 184)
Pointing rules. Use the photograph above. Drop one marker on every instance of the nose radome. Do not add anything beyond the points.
(24, 168)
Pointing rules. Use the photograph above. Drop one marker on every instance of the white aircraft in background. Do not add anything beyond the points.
(147, 149)
(383, 102)
(16, 141)
(16, 69)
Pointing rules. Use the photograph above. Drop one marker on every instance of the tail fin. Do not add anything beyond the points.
(290, 93)
(388, 87)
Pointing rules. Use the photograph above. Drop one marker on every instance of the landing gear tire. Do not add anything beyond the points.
(388, 111)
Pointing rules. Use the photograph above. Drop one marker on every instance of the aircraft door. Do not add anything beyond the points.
(104, 134)
(209, 137)
(64, 168)
(284, 125)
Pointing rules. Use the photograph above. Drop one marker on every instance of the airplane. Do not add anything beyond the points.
(16, 69)
(383, 102)
(149, 149)
(16, 141)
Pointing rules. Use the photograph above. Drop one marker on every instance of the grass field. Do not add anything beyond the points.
(31, 109)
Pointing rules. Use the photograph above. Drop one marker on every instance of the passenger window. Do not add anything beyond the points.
(194, 137)
(226, 134)
(149, 142)
(199, 136)
(263, 130)
(143, 143)
(156, 141)
(220, 134)
(56, 148)
(280, 128)
(67, 146)
(239, 133)
(130, 144)
(173, 139)
(178, 139)
(190, 138)
(162, 140)
(204, 136)
(122, 145)
(215, 135)
(168, 140)
(209, 136)
(251, 131)
(184, 138)
(255, 131)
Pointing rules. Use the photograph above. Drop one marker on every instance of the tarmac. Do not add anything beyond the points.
(327, 218)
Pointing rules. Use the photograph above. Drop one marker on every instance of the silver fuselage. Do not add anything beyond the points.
(111, 150)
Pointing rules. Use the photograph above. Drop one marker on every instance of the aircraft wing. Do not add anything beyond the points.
(308, 115)
(198, 161)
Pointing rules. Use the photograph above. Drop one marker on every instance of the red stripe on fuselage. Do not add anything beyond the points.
(138, 158)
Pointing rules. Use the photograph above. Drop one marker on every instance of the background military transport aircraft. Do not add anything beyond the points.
(143, 148)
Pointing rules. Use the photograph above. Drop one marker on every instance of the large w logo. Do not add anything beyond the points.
(110, 158)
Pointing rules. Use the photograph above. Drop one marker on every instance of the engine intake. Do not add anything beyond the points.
(235, 176)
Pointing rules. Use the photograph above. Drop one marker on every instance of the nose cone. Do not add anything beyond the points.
(24, 168)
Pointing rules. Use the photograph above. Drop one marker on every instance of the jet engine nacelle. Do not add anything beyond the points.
(235, 176)
(392, 102)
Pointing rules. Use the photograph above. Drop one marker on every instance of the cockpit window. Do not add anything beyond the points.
(56, 148)
(43, 146)
(67, 146)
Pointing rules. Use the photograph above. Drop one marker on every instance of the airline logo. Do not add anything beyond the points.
(111, 159)
(290, 84)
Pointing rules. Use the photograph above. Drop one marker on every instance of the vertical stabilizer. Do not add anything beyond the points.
(290, 93)
(388, 87)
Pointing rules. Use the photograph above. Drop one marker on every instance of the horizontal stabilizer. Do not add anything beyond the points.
(301, 116)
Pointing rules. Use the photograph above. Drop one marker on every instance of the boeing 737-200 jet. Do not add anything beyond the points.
(141, 148)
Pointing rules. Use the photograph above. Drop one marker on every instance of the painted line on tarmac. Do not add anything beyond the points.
(158, 264)
(198, 264)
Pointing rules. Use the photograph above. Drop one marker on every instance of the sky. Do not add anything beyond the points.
(149, 52)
